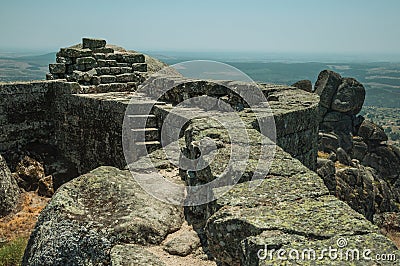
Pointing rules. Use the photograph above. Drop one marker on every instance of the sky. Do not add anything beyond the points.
(299, 26)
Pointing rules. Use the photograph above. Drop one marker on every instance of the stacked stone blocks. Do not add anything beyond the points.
(94, 64)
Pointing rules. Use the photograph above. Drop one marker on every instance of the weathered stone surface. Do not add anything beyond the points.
(326, 87)
(29, 173)
(328, 142)
(388, 220)
(64, 60)
(372, 244)
(337, 122)
(104, 50)
(385, 161)
(93, 43)
(57, 68)
(343, 157)
(45, 186)
(183, 244)
(127, 77)
(304, 85)
(122, 255)
(93, 213)
(326, 170)
(86, 60)
(141, 67)
(360, 149)
(9, 190)
(372, 132)
(107, 79)
(133, 58)
(349, 97)
(321, 218)
(74, 52)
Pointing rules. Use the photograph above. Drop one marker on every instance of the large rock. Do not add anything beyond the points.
(349, 97)
(304, 85)
(371, 132)
(326, 87)
(344, 95)
(91, 214)
(385, 161)
(9, 190)
(365, 191)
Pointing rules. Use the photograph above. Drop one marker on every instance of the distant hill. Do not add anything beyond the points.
(25, 68)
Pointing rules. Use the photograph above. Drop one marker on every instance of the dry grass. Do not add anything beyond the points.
(21, 222)
(16, 228)
(393, 235)
(323, 155)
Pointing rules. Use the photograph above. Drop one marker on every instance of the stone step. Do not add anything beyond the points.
(148, 134)
(138, 120)
(150, 146)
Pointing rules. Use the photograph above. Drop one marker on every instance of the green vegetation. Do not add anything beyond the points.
(11, 253)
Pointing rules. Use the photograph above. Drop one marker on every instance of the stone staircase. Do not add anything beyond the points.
(143, 126)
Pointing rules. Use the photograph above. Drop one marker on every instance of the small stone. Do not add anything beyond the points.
(86, 60)
(64, 60)
(50, 76)
(93, 43)
(123, 64)
(107, 79)
(133, 58)
(104, 50)
(74, 52)
(57, 68)
(111, 56)
(127, 77)
(95, 80)
(184, 244)
(45, 186)
(103, 71)
(98, 56)
(140, 67)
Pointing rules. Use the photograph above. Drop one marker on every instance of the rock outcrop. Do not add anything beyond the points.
(341, 99)
(9, 190)
(90, 215)
(367, 172)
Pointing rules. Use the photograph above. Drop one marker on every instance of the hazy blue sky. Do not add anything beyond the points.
(339, 26)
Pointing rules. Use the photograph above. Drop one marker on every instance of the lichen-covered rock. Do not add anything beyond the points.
(315, 218)
(9, 190)
(92, 213)
(123, 255)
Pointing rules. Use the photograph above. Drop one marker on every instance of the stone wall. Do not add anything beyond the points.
(88, 130)
(26, 111)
